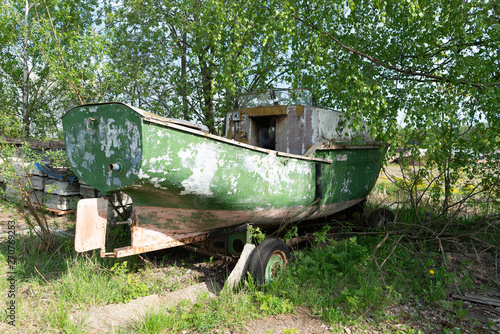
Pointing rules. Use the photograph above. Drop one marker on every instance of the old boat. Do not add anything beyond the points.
(282, 158)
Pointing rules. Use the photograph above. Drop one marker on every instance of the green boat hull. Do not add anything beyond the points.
(184, 180)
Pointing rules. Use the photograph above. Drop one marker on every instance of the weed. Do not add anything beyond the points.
(320, 236)
(257, 235)
(130, 285)
(291, 233)
(193, 256)
(460, 313)
(206, 315)
(86, 283)
(171, 284)
(438, 282)
(272, 305)
(334, 280)
(117, 236)
(336, 315)
(3, 271)
(156, 322)
(59, 319)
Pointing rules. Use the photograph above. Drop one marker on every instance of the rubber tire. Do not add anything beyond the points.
(380, 217)
(261, 257)
(355, 213)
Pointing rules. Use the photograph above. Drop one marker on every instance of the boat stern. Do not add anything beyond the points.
(104, 145)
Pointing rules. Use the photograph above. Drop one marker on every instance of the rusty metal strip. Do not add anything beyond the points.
(133, 250)
(264, 111)
(203, 251)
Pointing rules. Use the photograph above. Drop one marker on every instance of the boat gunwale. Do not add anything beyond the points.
(166, 123)
(199, 131)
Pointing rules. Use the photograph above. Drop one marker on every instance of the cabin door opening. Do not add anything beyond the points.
(264, 132)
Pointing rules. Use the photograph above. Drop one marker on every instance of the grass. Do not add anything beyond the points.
(353, 282)
(206, 315)
(337, 281)
(52, 282)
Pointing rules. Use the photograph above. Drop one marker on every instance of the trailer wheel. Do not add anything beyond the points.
(355, 213)
(380, 217)
(269, 260)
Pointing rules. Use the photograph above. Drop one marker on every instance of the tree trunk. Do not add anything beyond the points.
(26, 113)
(208, 100)
(185, 109)
(447, 190)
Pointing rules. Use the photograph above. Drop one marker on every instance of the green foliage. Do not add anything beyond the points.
(340, 281)
(290, 331)
(40, 63)
(272, 305)
(460, 312)
(320, 237)
(16, 166)
(156, 322)
(292, 232)
(439, 281)
(341, 258)
(210, 51)
(117, 235)
(130, 285)
(60, 319)
(257, 235)
(336, 281)
(430, 64)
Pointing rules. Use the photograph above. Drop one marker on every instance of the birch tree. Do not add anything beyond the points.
(190, 58)
(433, 63)
(41, 41)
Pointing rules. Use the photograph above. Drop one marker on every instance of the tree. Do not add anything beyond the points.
(190, 58)
(35, 81)
(20, 63)
(436, 61)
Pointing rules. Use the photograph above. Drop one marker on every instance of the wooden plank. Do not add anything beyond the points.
(33, 143)
(493, 301)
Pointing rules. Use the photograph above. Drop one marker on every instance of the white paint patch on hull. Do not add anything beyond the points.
(202, 159)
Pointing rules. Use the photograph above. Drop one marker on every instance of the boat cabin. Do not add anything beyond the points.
(288, 121)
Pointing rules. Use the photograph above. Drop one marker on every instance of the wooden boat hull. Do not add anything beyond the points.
(183, 180)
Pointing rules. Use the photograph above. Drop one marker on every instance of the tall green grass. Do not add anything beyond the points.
(341, 283)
